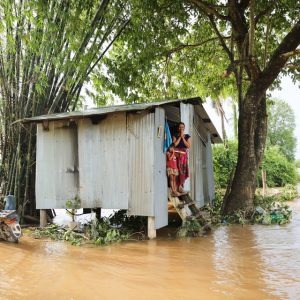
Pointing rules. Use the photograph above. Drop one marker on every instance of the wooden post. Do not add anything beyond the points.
(264, 182)
(98, 213)
(43, 217)
(151, 228)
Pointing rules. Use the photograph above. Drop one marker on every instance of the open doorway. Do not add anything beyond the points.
(173, 118)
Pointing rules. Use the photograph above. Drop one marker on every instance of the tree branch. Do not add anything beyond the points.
(277, 61)
(290, 53)
(183, 46)
(264, 12)
(227, 50)
(209, 9)
(244, 4)
(292, 66)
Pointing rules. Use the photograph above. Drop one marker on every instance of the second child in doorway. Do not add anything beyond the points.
(172, 169)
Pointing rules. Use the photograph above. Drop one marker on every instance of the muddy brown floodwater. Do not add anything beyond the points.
(233, 262)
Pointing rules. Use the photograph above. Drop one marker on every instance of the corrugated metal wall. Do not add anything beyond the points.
(187, 115)
(56, 165)
(210, 171)
(200, 181)
(140, 153)
(121, 163)
(197, 166)
(160, 177)
(103, 163)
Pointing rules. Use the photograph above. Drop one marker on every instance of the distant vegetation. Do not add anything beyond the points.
(281, 127)
(278, 161)
(279, 170)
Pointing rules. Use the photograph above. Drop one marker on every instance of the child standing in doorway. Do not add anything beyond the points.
(172, 169)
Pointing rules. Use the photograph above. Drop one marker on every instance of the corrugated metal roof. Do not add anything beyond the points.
(129, 107)
(108, 109)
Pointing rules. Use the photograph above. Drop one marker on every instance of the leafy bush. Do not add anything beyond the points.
(72, 206)
(267, 210)
(289, 192)
(191, 227)
(224, 161)
(271, 211)
(279, 170)
(102, 233)
(297, 165)
(118, 227)
(281, 127)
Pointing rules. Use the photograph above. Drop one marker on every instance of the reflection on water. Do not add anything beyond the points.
(234, 262)
(279, 249)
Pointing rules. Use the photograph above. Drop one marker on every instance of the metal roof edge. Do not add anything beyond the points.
(107, 110)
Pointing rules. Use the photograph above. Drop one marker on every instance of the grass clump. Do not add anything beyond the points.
(118, 227)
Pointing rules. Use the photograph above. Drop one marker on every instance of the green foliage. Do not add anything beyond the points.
(72, 206)
(288, 193)
(170, 50)
(165, 48)
(129, 223)
(271, 210)
(58, 233)
(224, 161)
(277, 213)
(190, 228)
(118, 227)
(279, 170)
(48, 50)
(297, 163)
(214, 211)
(102, 233)
(267, 210)
(281, 127)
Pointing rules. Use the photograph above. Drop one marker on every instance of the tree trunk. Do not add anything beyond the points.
(252, 139)
(252, 125)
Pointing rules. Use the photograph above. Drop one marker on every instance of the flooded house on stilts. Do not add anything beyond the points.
(112, 157)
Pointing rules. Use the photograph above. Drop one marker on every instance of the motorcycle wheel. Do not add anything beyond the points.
(8, 234)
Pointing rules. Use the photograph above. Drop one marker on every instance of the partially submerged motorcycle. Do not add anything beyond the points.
(10, 229)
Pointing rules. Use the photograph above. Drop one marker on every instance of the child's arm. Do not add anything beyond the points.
(170, 155)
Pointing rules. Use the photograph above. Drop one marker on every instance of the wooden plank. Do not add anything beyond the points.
(187, 199)
(177, 204)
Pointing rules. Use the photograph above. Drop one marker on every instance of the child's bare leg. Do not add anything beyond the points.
(173, 184)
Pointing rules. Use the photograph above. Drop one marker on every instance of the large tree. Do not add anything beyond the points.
(48, 49)
(179, 48)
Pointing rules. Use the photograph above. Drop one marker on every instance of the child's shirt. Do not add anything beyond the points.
(171, 163)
